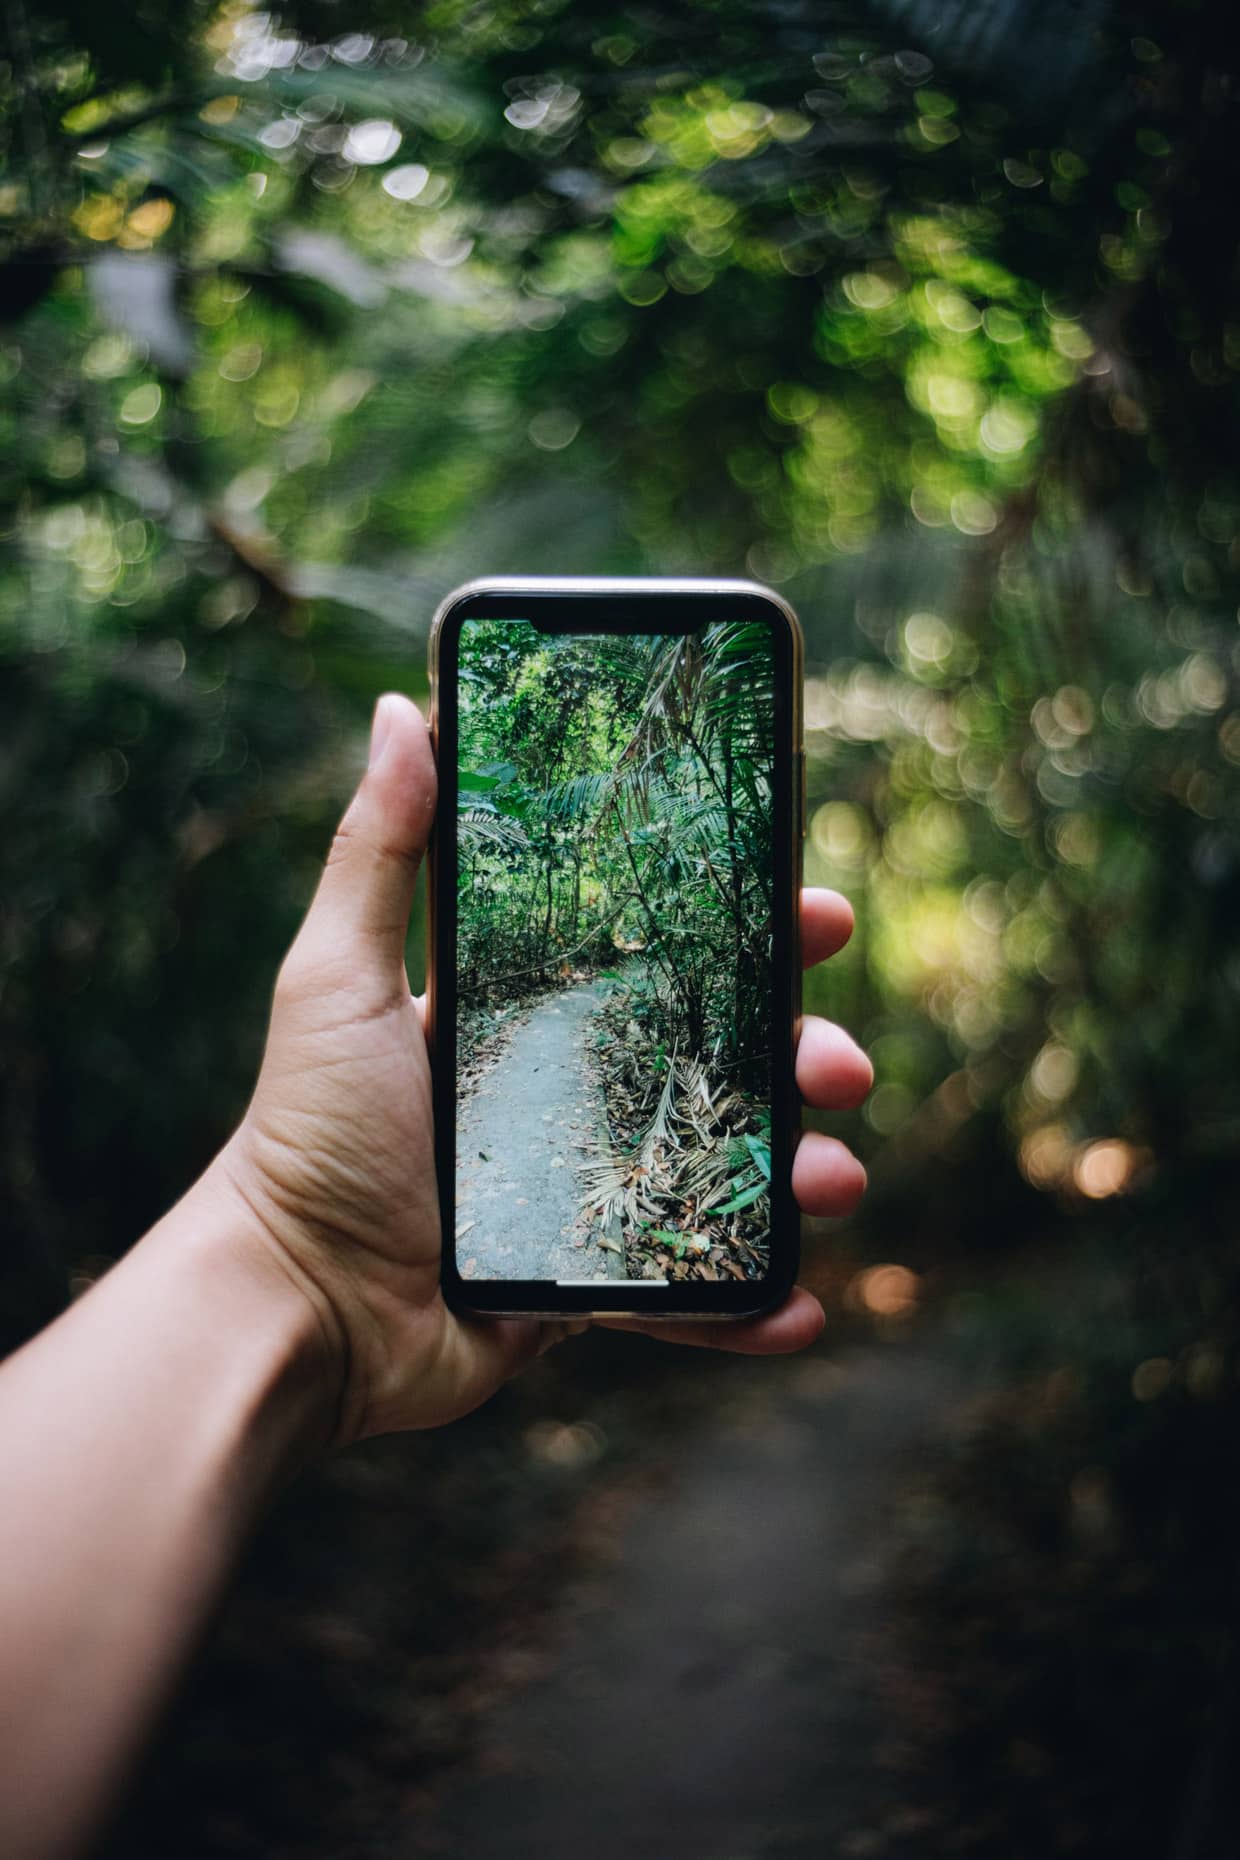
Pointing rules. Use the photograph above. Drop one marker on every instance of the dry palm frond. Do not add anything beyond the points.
(659, 1130)
(610, 1189)
(693, 1152)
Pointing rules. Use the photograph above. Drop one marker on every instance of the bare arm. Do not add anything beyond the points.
(138, 1435)
(288, 1303)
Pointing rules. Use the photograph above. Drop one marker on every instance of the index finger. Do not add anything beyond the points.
(826, 924)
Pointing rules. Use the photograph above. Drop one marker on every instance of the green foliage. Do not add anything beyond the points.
(304, 328)
(745, 1199)
(616, 794)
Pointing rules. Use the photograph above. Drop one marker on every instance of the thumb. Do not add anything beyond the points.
(366, 891)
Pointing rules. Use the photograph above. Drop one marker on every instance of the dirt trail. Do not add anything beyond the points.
(712, 1693)
(522, 1135)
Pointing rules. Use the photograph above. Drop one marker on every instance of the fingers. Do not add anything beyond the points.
(826, 924)
(796, 1323)
(826, 1176)
(366, 891)
(833, 1074)
(556, 1330)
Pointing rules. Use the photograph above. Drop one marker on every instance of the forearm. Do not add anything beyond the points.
(138, 1437)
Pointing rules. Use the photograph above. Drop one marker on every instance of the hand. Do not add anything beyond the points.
(334, 1161)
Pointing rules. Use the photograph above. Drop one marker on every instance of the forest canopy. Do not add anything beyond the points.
(307, 320)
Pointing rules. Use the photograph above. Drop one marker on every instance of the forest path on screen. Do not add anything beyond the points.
(524, 1131)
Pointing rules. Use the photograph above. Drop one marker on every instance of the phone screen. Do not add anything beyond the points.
(615, 881)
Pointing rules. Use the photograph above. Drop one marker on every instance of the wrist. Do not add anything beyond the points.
(274, 1328)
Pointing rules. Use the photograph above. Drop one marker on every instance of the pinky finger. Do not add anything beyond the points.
(794, 1325)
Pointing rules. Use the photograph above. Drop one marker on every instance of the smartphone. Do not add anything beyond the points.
(614, 981)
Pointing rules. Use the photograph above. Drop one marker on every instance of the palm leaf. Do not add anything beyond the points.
(478, 826)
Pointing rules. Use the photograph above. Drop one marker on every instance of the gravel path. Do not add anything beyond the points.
(523, 1132)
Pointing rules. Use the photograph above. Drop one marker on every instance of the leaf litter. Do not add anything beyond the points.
(686, 1172)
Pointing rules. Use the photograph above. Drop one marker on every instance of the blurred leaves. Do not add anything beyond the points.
(292, 312)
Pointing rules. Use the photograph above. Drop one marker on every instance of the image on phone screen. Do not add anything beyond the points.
(614, 892)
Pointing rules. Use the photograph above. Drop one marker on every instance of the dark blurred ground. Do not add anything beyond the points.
(685, 1605)
(714, 1683)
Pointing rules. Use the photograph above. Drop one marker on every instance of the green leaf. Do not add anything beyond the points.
(761, 1153)
(745, 1199)
(471, 782)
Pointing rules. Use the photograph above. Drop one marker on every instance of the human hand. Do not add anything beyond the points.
(334, 1161)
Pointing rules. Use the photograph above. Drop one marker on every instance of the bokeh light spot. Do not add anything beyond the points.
(371, 142)
(887, 1291)
(1106, 1168)
(407, 181)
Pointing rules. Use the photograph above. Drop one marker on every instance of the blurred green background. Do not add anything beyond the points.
(926, 315)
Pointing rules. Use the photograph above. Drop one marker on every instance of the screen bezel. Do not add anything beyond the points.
(645, 609)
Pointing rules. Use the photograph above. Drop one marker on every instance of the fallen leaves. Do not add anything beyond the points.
(688, 1167)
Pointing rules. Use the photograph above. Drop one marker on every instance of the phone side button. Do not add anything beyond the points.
(801, 760)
